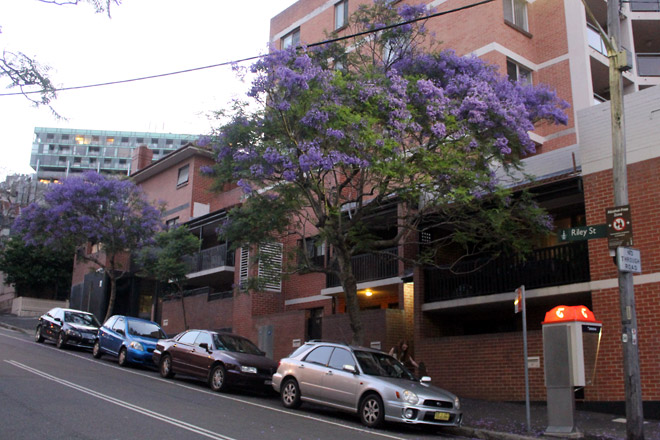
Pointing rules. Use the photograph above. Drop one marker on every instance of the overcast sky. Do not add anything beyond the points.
(143, 37)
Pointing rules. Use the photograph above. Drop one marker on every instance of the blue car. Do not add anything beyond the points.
(131, 340)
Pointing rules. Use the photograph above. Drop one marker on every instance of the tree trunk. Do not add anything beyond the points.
(113, 294)
(349, 285)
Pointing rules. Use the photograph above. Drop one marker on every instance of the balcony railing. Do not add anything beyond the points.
(648, 64)
(645, 5)
(210, 258)
(370, 267)
(553, 266)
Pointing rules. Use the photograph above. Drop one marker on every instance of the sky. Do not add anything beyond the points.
(143, 37)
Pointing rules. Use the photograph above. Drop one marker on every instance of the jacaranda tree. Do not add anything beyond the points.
(340, 133)
(92, 209)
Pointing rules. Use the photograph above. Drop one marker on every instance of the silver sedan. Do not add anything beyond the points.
(364, 381)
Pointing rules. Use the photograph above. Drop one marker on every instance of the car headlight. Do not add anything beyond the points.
(246, 369)
(74, 333)
(410, 397)
(457, 403)
(136, 346)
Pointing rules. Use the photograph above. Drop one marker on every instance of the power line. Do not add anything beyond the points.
(242, 60)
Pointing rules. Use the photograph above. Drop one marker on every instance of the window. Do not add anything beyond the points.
(319, 355)
(169, 142)
(515, 12)
(140, 140)
(516, 72)
(50, 136)
(119, 326)
(341, 14)
(270, 266)
(339, 358)
(204, 338)
(291, 39)
(189, 337)
(171, 222)
(183, 175)
(315, 250)
(244, 267)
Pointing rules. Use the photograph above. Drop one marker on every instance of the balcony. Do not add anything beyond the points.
(547, 267)
(370, 267)
(645, 5)
(648, 64)
(208, 259)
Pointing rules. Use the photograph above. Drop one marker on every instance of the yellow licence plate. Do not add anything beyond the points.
(442, 416)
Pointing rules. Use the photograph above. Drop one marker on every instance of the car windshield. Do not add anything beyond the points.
(381, 364)
(145, 330)
(236, 344)
(81, 319)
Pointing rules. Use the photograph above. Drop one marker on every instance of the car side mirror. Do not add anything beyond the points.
(58, 319)
(205, 346)
(425, 379)
(350, 368)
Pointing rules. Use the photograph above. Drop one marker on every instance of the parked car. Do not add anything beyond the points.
(224, 360)
(67, 327)
(361, 380)
(131, 340)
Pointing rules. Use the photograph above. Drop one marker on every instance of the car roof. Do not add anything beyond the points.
(74, 310)
(341, 344)
(133, 318)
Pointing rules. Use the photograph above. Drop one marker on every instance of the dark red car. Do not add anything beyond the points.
(224, 360)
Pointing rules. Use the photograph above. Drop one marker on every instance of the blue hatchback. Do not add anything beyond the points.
(131, 340)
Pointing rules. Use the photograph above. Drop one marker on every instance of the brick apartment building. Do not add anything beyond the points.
(463, 327)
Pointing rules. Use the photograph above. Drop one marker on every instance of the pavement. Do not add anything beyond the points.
(486, 420)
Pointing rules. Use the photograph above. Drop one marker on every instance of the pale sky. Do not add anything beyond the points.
(143, 37)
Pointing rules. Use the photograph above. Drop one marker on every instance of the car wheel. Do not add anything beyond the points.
(96, 351)
(122, 359)
(37, 335)
(165, 366)
(61, 340)
(290, 394)
(372, 411)
(218, 378)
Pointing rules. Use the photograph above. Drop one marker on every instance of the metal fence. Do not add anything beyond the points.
(210, 258)
(370, 267)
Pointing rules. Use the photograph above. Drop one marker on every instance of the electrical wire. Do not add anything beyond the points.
(242, 60)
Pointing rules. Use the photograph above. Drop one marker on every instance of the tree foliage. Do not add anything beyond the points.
(165, 259)
(345, 131)
(92, 208)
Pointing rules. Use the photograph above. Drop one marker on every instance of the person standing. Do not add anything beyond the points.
(402, 354)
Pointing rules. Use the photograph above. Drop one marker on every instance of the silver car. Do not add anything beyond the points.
(364, 381)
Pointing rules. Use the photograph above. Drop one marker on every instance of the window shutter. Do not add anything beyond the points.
(270, 266)
(244, 267)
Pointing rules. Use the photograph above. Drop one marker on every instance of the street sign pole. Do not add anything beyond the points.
(524, 322)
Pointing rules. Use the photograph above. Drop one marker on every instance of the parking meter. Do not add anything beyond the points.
(571, 339)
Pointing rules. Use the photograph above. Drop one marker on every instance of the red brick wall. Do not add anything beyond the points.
(200, 313)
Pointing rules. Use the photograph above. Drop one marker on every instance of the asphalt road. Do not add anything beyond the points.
(67, 394)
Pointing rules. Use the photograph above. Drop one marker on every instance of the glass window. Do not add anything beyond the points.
(341, 14)
(109, 323)
(291, 39)
(204, 338)
(172, 222)
(81, 318)
(236, 344)
(188, 337)
(319, 355)
(339, 358)
(515, 12)
(145, 329)
(516, 72)
(183, 175)
(381, 364)
(119, 325)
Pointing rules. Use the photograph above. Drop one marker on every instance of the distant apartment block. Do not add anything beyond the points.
(57, 153)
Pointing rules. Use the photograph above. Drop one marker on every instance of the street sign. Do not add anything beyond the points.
(579, 233)
(619, 227)
(629, 260)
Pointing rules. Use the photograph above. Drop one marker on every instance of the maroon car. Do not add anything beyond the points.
(224, 360)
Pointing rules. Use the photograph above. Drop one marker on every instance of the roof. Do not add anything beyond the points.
(184, 153)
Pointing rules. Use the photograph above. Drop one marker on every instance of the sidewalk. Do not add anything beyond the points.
(482, 419)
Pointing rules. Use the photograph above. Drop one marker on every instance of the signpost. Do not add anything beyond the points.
(628, 260)
(579, 233)
(619, 227)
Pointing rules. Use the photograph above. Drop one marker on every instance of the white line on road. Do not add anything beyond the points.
(226, 397)
(124, 404)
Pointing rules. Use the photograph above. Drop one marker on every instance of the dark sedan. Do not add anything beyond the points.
(224, 360)
(67, 327)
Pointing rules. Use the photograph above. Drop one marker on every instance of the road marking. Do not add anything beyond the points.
(224, 396)
(161, 417)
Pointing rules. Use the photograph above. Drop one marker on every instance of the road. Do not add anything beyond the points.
(67, 394)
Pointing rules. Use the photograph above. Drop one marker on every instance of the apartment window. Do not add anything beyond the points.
(515, 12)
(140, 140)
(169, 142)
(76, 160)
(154, 141)
(244, 268)
(183, 175)
(315, 250)
(341, 14)
(516, 72)
(270, 266)
(110, 140)
(50, 136)
(65, 137)
(171, 222)
(95, 139)
(292, 39)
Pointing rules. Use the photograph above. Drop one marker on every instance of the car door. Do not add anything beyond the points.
(180, 351)
(103, 332)
(340, 386)
(200, 358)
(115, 336)
(48, 323)
(310, 373)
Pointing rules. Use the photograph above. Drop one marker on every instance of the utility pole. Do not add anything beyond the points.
(631, 371)
(618, 60)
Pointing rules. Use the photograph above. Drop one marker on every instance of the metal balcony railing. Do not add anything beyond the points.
(370, 267)
(210, 258)
(553, 266)
(648, 64)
